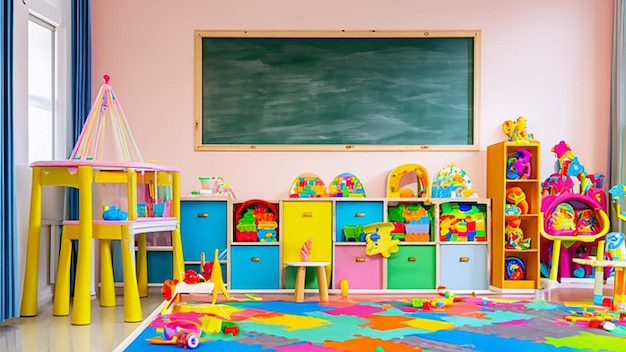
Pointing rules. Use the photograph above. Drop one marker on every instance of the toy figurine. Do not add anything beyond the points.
(516, 131)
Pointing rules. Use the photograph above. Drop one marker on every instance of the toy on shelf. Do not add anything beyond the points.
(516, 203)
(307, 185)
(379, 240)
(452, 182)
(515, 269)
(353, 233)
(256, 220)
(462, 222)
(346, 185)
(573, 218)
(113, 213)
(518, 165)
(516, 131)
(515, 235)
(408, 181)
(411, 222)
(215, 186)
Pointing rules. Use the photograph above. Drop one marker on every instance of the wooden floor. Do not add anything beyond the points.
(107, 330)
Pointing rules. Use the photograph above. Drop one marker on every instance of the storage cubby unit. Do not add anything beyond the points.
(204, 224)
(350, 260)
(254, 245)
(515, 198)
(453, 250)
(305, 219)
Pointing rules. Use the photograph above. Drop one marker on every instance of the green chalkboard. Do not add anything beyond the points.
(336, 90)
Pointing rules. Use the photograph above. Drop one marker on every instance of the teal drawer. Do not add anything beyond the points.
(255, 267)
(203, 228)
(464, 267)
(356, 213)
(159, 266)
(412, 267)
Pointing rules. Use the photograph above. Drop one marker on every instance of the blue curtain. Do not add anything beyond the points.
(81, 95)
(81, 79)
(8, 223)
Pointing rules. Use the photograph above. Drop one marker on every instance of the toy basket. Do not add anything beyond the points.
(256, 220)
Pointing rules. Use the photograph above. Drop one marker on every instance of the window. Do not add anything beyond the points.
(41, 89)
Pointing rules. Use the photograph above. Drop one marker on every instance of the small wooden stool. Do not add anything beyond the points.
(322, 282)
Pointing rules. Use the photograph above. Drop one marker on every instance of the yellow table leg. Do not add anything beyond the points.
(107, 282)
(178, 266)
(61, 303)
(81, 314)
(322, 283)
(619, 290)
(300, 276)
(556, 257)
(29, 293)
(142, 265)
(132, 304)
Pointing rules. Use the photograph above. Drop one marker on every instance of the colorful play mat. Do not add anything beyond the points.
(470, 324)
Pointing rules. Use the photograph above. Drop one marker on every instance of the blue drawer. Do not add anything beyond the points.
(464, 267)
(203, 228)
(255, 267)
(356, 213)
(159, 266)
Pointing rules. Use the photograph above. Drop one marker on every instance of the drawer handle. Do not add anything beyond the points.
(464, 259)
(360, 259)
(255, 259)
(203, 215)
(360, 215)
(412, 259)
(308, 214)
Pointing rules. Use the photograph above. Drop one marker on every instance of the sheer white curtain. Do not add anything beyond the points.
(617, 172)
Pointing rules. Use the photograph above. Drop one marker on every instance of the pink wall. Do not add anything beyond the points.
(549, 61)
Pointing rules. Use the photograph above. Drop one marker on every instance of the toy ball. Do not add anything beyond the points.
(379, 349)
(514, 268)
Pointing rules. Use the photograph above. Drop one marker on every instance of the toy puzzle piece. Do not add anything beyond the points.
(378, 238)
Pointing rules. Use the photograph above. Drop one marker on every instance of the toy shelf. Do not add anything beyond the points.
(503, 186)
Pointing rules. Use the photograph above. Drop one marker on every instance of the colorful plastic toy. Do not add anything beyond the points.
(379, 240)
(518, 165)
(305, 251)
(462, 222)
(408, 181)
(516, 131)
(256, 221)
(346, 185)
(113, 213)
(307, 185)
(452, 182)
(516, 203)
(515, 235)
(515, 269)
(573, 218)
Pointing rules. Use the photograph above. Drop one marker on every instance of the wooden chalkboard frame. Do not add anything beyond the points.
(474, 90)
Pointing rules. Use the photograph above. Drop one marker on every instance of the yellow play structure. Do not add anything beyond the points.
(408, 181)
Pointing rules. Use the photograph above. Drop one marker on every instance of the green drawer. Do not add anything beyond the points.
(412, 267)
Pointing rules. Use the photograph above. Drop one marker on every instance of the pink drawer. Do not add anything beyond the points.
(362, 271)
